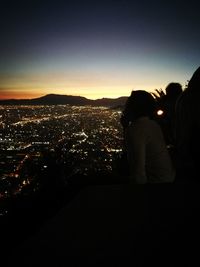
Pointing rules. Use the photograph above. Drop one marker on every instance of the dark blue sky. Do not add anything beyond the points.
(96, 48)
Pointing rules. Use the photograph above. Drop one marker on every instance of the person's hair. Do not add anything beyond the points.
(140, 103)
(173, 90)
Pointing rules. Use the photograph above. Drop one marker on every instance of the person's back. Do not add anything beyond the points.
(148, 156)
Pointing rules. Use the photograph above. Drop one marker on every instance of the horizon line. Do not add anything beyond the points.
(28, 98)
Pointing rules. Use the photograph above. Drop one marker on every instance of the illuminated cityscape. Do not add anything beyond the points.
(37, 142)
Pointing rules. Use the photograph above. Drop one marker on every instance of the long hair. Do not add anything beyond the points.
(140, 103)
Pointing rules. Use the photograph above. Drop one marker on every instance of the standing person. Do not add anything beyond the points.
(188, 130)
(147, 153)
(173, 91)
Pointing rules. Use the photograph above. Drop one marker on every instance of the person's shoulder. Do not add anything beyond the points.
(141, 126)
(153, 122)
(144, 123)
(153, 126)
(136, 128)
(150, 123)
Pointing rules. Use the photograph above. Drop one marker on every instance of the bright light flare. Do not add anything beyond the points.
(160, 112)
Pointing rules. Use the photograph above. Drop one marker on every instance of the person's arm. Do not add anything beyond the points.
(136, 155)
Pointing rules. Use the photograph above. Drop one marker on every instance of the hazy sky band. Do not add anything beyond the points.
(93, 48)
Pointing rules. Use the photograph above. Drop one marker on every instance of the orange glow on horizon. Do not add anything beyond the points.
(88, 84)
(96, 93)
(14, 95)
(90, 92)
(18, 95)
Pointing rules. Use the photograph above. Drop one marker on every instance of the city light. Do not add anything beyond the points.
(80, 139)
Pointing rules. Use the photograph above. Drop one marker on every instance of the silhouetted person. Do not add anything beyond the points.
(188, 130)
(166, 105)
(147, 153)
(173, 91)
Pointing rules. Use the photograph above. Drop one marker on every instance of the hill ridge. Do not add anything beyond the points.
(58, 99)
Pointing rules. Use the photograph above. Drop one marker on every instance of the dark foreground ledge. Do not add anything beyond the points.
(118, 225)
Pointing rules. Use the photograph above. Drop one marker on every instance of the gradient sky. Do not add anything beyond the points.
(96, 48)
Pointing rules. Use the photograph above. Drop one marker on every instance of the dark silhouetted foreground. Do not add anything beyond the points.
(188, 130)
(117, 225)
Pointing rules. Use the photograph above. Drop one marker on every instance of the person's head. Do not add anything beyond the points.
(139, 104)
(173, 90)
(194, 83)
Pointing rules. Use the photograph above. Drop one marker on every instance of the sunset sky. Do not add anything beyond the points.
(96, 48)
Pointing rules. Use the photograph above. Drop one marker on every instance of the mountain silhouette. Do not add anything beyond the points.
(55, 99)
